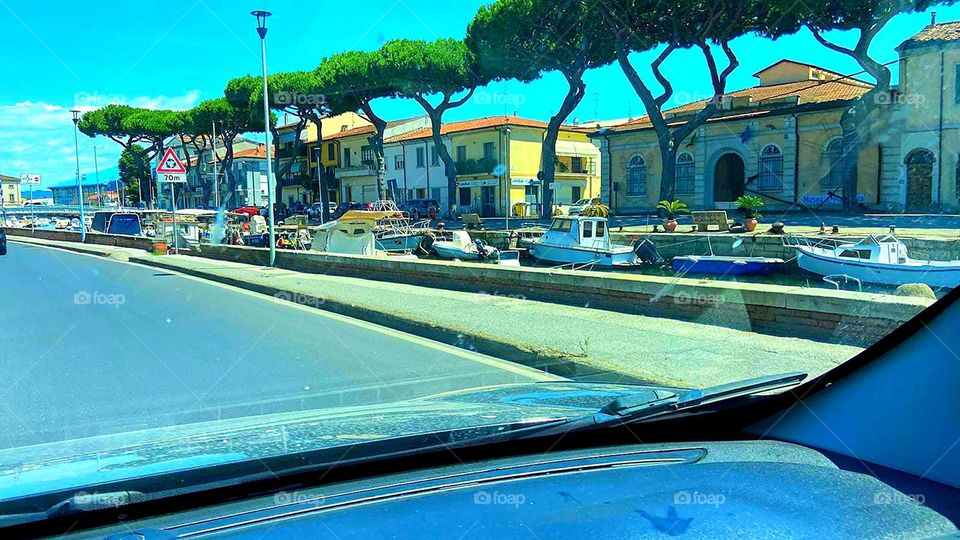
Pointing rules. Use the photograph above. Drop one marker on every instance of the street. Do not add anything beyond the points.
(93, 346)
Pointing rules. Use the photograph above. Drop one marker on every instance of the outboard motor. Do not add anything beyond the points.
(481, 248)
(646, 252)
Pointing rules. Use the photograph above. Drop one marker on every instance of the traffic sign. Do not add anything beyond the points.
(171, 164)
(31, 179)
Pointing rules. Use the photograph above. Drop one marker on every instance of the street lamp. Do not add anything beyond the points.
(262, 31)
(76, 145)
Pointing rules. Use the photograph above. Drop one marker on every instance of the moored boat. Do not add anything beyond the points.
(353, 234)
(581, 240)
(883, 260)
(462, 247)
(727, 266)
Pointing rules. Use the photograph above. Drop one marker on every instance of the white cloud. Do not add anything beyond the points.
(38, 137)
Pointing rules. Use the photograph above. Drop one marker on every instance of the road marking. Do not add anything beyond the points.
(491, 361)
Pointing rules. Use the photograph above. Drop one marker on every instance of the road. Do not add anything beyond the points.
(92, 346)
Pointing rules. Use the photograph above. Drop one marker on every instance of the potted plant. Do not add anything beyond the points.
(749, 205)
(671, 209)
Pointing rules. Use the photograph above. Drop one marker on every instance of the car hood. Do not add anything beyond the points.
(85, 462)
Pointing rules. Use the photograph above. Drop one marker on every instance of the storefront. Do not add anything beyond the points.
(479, 196)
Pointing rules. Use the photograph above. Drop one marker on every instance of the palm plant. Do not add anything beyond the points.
(673, 208)
(749, 204)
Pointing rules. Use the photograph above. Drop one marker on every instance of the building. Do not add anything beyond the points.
(10, 190)
(95, 192)
(498, 163)
(782, 140)
(200, 188)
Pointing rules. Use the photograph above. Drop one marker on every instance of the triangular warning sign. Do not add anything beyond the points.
(171, 164)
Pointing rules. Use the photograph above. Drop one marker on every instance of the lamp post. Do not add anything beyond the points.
(262, 31)
(76, 145)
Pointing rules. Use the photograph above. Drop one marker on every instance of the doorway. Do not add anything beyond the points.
(919, 180)
(728, 178)
(488, 201)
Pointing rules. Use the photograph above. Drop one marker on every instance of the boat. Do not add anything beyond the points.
(461, 247)
(397, 233)
(62, 223)
(353, 234)
(882, 260)
(727, 266)
(585, 241)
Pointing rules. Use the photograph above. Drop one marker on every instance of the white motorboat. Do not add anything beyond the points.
(883, 260)
(352, 234)
(462, 247)
(585, 241)
(62, 223)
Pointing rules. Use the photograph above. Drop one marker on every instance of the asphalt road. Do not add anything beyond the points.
(91, 346)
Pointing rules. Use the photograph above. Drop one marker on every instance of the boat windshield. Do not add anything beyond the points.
(562, 225)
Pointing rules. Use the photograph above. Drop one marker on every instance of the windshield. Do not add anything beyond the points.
(739, 214)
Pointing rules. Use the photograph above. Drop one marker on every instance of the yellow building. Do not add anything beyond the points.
(782, 140)
(498, 164)
(10, 190)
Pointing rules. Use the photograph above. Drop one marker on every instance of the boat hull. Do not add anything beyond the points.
(400, 244)
(936, 276)
(617, 257)
(727, 266)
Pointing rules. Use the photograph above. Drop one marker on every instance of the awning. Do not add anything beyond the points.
(575, 148)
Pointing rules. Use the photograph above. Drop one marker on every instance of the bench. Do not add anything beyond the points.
(703, 220)
(471, 221)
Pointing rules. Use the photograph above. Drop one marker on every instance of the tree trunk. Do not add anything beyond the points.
(376, 141)
(449, 166)
(576, 89)
(668, 170)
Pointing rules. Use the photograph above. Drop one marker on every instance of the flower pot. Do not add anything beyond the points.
(160, 248)
(750, 224)
(670, 225)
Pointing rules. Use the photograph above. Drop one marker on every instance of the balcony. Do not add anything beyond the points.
(570, 167)
(364, 169)
(483, 166)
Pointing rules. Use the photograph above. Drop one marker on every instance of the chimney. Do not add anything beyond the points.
(933, 18)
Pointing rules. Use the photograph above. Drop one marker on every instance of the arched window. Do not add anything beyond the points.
(636, 176)
(685, 173)
(833, 157)
(771, 169)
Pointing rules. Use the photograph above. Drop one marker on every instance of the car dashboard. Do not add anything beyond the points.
(717, 489)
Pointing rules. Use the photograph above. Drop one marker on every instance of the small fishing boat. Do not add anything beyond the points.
(396, 233)
(727, 266)
(581, 240)
(882, 260)
(353, 234)
(462, 247)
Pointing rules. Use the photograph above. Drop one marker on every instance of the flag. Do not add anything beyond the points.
(693, 141)
(745, 136)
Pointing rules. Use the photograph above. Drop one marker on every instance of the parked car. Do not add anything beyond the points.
(298, 209)
(577, 208)
(3, 242)
(316, 208)
(421, 208)
(345, 206)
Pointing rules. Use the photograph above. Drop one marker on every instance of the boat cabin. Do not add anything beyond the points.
(588, 232)
(885, 249)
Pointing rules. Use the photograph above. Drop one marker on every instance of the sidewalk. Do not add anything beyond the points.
(569, 341)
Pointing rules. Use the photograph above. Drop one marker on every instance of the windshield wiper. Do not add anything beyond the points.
(653, 403)
(77, 504)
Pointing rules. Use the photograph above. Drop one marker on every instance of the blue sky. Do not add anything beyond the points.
(61, 55)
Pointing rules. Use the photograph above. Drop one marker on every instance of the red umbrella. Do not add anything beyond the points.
(248, 210)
